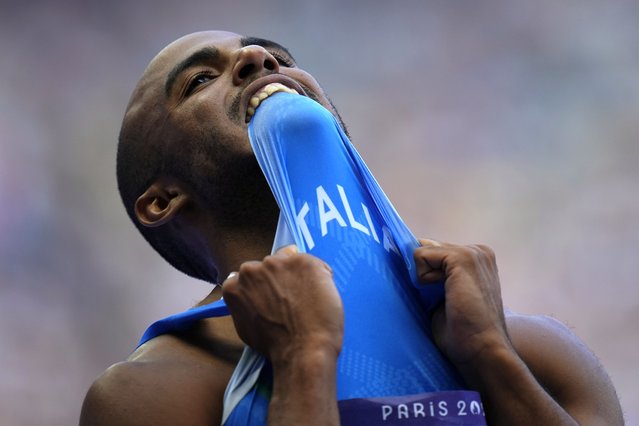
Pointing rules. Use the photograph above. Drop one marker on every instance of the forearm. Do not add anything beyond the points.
(304, 390)
(511, 394)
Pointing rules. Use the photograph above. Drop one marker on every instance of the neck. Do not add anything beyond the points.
(230, 248)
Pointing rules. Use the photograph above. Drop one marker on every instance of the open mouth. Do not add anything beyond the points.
(264, 93)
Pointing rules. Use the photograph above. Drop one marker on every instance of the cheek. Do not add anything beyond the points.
(206, 117)
(204, 110)
(309, 83)
(191, 126)
(312, 87)
(211, 127)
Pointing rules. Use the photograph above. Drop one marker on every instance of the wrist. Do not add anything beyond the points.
(509, 391)
(304, 389)
(318, 349)
(304, 361)
(495, 367)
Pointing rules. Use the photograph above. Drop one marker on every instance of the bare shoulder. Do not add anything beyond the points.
(167, 381)
(565, 367)
(128, 393)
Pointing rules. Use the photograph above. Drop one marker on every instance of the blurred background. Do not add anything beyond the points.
(505, 122)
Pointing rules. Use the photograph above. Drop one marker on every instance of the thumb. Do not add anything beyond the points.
(232, 278)
(438, 323)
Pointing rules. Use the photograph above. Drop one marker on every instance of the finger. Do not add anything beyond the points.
(327, 267)
(286, 251)
(233, 276)
(230, 288)
(432, 276)
(426, 242)
(429, 263)
(430, 243)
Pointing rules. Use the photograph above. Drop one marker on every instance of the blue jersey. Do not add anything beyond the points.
(332, 207)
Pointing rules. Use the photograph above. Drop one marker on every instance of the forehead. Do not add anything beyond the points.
(146, 103)
(180, 54)
(148, 92)
(185, 46)
(222, 40)
(177, 56)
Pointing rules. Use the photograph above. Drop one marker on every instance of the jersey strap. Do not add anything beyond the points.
(183, 320)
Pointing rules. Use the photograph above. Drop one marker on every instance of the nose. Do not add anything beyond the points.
(253, 60)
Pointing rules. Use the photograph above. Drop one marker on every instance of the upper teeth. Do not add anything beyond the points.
(264, 93)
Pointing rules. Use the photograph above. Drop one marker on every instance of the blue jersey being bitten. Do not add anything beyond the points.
(389, 371)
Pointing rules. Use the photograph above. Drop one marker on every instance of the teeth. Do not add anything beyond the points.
(264, 93)
(270, 89)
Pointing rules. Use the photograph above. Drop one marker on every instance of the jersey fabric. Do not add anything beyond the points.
(332, 207)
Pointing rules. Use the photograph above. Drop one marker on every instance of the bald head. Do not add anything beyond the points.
(187, 123)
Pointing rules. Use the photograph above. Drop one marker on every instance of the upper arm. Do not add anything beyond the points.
(138, 393)
(566, 368)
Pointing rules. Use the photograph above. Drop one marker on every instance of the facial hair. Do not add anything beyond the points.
(231, 183)
(233, 113)
(232, 186)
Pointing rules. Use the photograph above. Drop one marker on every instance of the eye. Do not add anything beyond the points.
(198, 80)
(282, 60)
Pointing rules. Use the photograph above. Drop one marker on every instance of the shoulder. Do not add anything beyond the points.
(547, 345)
(564, 366)
(169, 382)
(126, 394)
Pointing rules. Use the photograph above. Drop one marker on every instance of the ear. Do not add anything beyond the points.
(160, 203)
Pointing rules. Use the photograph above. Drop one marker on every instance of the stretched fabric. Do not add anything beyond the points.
(332, 207)
(300, 146)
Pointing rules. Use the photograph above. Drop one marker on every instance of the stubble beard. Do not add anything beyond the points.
(233, 188)
(231, 183)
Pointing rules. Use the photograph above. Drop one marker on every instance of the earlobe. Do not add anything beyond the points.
(159, 204)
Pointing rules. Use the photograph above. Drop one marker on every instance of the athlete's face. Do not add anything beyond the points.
(194, 103)
(205, 82)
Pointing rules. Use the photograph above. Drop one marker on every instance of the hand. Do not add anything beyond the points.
(471, 321)
(285, 305)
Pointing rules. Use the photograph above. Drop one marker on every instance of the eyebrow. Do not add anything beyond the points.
(209, 54)
(267, 44)
(202, 56)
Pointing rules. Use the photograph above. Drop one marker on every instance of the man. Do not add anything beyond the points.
(190, 182)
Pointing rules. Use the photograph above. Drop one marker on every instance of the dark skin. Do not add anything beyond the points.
(529, 370)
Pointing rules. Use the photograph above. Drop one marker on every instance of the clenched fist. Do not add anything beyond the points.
(286, 305)
(471, 321)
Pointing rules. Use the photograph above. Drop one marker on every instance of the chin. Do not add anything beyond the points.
(239, 196)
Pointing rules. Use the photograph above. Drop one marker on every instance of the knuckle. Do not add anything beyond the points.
(249, 269)
(318, 264)
(466, 252)
(311, 260)
(420, 252)
(483, 252)
(275, 262)
(475, 255)
(466, 256)
(303, 260)
(270, 261)
(488, 252)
